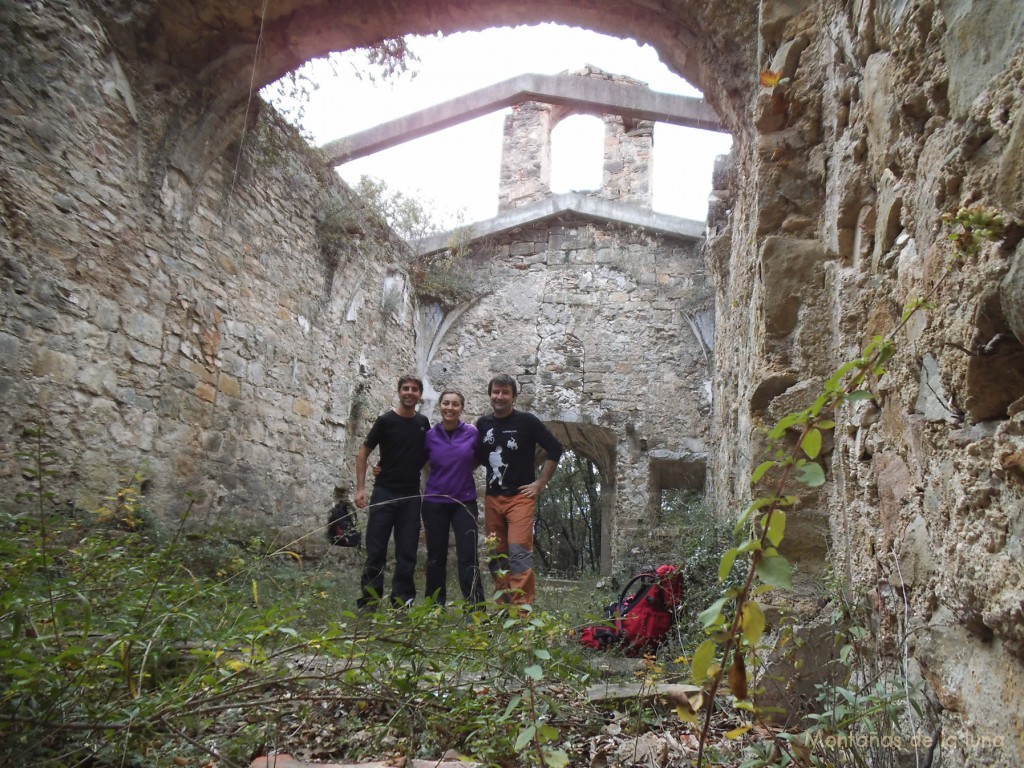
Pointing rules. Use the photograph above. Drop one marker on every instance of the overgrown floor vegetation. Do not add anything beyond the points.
(123, 646)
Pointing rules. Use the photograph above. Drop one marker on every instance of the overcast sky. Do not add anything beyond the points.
(457, 169)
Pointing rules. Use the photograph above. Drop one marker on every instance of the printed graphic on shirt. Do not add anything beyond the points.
(498, 467)
(489, 437)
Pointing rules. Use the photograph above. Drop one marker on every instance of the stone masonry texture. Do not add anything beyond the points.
(188, 293)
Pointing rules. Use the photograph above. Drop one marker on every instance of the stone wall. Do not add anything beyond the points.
(198, 336)
(607, 330)
(158, 312)
(887, 117)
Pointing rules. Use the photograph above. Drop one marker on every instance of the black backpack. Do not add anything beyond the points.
(343, 527)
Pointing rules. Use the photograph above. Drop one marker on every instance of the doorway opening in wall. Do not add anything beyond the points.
(567, 537)
(677, 494)
(689, 536)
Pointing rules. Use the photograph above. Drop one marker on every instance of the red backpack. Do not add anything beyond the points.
(642, 616)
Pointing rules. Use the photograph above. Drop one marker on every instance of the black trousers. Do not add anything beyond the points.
(438, 519)
(390, 514)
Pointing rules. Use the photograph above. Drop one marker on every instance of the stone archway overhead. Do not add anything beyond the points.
(217, 38)
(234, 47)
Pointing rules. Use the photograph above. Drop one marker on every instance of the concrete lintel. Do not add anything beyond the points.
(584, 94)
(697, 455)
(571, 202)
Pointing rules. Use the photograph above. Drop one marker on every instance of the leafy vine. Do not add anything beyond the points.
(735, 636)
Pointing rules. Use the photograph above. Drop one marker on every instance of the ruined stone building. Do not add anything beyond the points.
(188, 292)
(601, 309)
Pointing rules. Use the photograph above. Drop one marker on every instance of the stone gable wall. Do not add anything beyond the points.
(525, 175)
(601, 326)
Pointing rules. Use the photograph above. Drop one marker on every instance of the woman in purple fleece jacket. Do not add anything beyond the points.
(449, 501)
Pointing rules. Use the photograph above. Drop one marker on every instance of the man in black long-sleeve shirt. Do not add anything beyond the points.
(401, 434)
(507, 445)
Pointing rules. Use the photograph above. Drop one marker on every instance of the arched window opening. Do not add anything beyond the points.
(577, 154)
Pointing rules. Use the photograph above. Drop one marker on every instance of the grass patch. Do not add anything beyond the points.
(123, 647)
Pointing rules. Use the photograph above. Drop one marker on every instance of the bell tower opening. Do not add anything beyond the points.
(577, 149)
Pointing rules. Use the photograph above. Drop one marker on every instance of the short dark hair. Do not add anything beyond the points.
(503, 380)
(414, 379)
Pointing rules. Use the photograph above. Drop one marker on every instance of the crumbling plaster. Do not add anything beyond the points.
(131, 249)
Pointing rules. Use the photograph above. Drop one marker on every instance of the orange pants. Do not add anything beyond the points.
(509, 520)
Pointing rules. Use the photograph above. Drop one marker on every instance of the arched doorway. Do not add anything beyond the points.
(588, 472)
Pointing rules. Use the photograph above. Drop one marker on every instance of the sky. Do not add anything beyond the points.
(454, 172)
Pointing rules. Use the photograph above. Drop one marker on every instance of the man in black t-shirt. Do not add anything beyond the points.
(506, 446)
(395, 504)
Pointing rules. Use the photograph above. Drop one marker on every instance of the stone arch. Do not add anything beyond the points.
(234, 47)
(600, 446)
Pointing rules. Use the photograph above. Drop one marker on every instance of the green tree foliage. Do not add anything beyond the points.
(568, 528)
